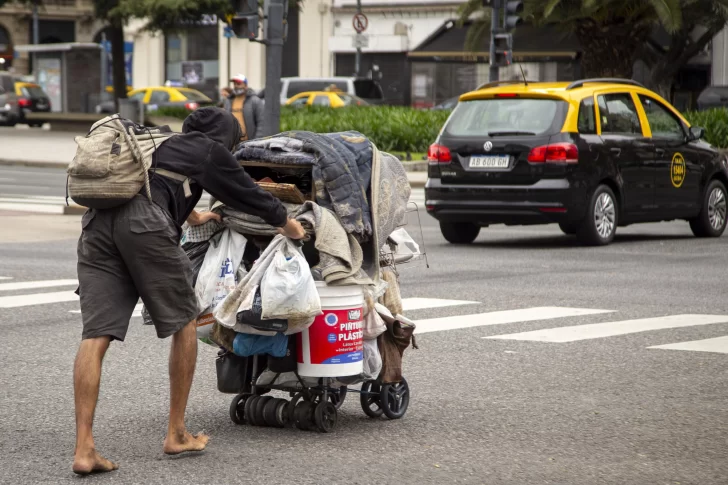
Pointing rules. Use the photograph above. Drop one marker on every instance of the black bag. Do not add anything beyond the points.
(289, 363)
(252, 317)
(235, 373)
(196, 252)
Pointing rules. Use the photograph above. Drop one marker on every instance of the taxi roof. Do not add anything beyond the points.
(563, 90)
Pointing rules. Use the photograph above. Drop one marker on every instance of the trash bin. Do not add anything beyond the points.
(132, 109)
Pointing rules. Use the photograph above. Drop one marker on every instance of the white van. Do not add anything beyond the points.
(366, 89)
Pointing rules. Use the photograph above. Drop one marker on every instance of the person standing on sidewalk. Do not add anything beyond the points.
(133, 251)
(246, 106)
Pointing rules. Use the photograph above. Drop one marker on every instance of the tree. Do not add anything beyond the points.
(614, 34)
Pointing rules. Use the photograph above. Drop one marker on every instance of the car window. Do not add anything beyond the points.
(321, 101)
(663, 123)
(193, 95)
(587, 123)
(301, 86)
(300, 101)
(7, 84)
(159, 97)
(138, 96)
(507, 115)
(618, 114)
(33, 91)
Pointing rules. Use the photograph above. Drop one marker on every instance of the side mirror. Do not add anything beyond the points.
(696, 133)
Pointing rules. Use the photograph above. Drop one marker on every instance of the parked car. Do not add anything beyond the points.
(31, 99)
(590, 155)
(325, 98)
(9, 109)
(366, 89)
(157, 97)
(713, 97)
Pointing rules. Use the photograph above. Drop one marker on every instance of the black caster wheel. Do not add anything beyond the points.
(258, 410)
(237, 408)
(304, 415)
(370, 399)
(395, 399)
(337, 397)
(250, 409)
(275, 413)
(325, 417)
(291, 409)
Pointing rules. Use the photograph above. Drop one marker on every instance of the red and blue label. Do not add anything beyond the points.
(336, 337)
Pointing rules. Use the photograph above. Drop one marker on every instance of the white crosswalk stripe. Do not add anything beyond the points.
(466, 317)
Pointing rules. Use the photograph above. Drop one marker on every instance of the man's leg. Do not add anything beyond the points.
(86, 382)
(182, 361)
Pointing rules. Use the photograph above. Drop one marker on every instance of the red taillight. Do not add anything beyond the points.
(506, 95)
(24, 103)
(554, 153)
(192, 106)
(439, 154)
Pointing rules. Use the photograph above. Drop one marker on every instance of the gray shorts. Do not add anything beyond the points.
(129, 252)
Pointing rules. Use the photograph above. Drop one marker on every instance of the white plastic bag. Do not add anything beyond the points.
(217, 274)
(287, 289)
(373, 325)
(372, 360)
(407, 248)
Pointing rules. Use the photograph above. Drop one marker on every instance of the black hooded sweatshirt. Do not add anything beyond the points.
(203, 153)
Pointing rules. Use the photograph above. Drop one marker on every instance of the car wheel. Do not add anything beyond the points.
(35, 125)
(568, 228)
(600, 224)
(712, 219)
(459, 232)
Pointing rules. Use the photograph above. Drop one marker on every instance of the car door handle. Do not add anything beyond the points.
(616, 151)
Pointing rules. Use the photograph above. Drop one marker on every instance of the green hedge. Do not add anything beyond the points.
(401, 129)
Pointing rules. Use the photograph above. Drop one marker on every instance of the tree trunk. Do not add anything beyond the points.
(116, 34)
(610, 49)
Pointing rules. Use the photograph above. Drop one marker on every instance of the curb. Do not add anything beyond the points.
(30, 163)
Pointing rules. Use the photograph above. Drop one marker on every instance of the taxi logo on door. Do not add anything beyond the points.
(677, 170)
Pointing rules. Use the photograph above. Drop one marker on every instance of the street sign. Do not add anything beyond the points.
(228, 32)
(360, 23)
(361, 41)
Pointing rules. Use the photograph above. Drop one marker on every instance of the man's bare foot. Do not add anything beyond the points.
(174, 444)
(92, 462)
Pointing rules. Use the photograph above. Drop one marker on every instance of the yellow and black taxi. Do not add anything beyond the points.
(589, 155)
(31, 99)
(157, 97)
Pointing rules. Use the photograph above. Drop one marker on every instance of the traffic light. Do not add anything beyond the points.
(245, 21)
(503, 49)
(512, 16)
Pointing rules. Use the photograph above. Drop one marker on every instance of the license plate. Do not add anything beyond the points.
(489, 161)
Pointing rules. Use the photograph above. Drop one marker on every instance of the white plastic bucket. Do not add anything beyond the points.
(333, 345)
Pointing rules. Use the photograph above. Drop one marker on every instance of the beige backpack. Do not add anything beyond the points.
(113, 162)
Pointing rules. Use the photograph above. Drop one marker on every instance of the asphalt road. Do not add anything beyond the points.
(22, 181)
(599, 410)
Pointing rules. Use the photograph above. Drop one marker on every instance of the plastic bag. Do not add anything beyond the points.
(246, 345)
(373, 326)
(217, 275)
(406, 247)
(288, 289)
(252, 317)
(372, 361)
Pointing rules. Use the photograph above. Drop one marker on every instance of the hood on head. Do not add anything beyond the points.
(216, 123)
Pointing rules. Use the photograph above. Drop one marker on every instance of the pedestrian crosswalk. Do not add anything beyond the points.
(563, 323)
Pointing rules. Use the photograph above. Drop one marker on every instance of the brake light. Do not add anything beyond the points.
(555, 153)
(192, 106)
(24, 103)
(506, 95)
(439, 154)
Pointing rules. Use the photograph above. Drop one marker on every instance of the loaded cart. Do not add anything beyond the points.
(310, 318)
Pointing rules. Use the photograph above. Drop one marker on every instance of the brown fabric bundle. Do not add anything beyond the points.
(222, 336)
(392, 344)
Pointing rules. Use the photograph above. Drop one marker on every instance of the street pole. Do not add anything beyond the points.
(273, 68)
(494, 27)
(357, 66)
(227, 82)
(36, 37)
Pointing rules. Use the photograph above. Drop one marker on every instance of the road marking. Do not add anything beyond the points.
(410, 304)
(5, 278)
(718, 345)
(502, 317)
(611, 329)
(29, 285)
(137, 311)
(36, 299)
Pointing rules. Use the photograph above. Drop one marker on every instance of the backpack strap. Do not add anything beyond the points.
(175, 176)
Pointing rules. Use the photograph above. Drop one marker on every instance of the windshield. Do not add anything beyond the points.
(504, 117)
(32, 91)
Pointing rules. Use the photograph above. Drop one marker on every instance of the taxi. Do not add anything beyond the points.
(332, 99)
(31, 99)
(591, 155)
(157, 97)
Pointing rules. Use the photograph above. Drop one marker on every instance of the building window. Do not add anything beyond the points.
(192, 59)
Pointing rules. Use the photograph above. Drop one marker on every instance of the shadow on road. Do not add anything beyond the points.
(563, 242)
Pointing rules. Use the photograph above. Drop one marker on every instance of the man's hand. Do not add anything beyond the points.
(293, 229)
(198, 218)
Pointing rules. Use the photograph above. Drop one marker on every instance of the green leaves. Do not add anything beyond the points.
(715, 122)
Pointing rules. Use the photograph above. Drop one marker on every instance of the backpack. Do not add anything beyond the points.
(113, 161)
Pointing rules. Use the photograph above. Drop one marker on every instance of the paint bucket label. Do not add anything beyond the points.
(336, 337)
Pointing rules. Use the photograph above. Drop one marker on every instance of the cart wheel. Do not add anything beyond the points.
(282, 413)
(304, 415)
(337, 397)
(271, 412)
(237, 408)
(249, 409)
(370, 399)
(291, 409)
(258, 410)
(395, 399)
(325, 416)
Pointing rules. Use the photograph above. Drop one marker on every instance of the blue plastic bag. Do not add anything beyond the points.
(246, 344)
